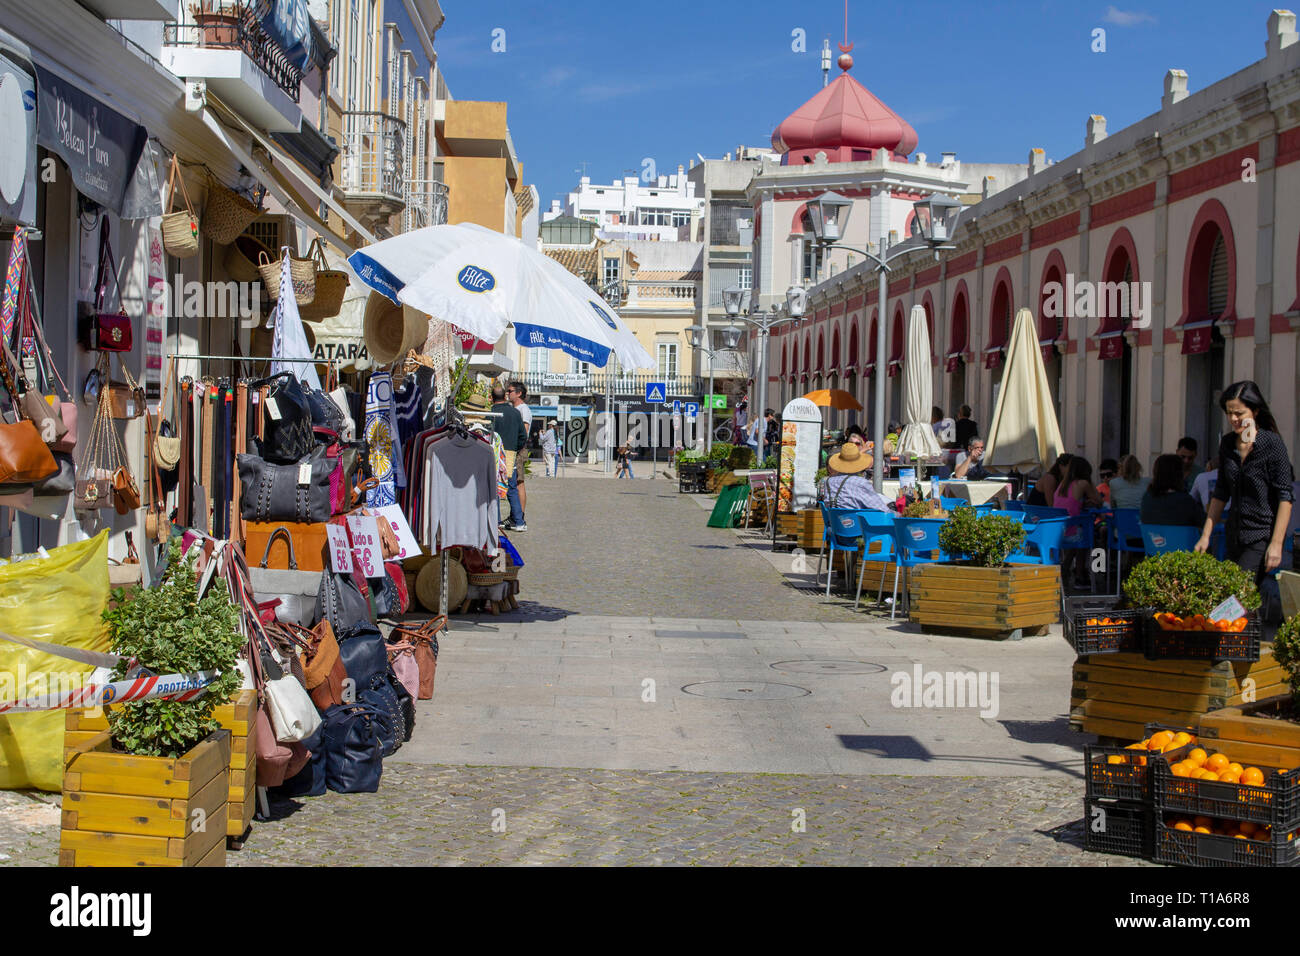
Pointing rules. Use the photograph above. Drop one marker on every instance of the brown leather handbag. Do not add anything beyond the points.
(323, 671)
(425, 639)
(24, 457)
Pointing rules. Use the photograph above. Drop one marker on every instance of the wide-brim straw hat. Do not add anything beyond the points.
(392, 330)
(850, 459)
(475, 405)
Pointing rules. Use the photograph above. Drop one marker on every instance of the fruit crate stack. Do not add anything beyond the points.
(1097, 625)
(1213, 810)
(1119, 793)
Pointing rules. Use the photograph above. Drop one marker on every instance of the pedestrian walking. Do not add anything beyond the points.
(624, 463)
(510, 426)
(516, 392)
(550, 450)
(1255, 475)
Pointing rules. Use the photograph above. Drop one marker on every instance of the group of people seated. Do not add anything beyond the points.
(1165, 498)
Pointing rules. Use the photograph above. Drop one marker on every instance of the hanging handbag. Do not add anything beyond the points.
(302, 273)
(32, 403)
(296, 590)
(180, 230)
(401, 658)
(299, 492)
(108, 331)
(125, 399)
(24, 458)
(292, 713)
(390, 723)
(341, 603)
(354, 754)
(324, 675)
(331, 287)
(425, 641)
(287, 434)
(166, 447)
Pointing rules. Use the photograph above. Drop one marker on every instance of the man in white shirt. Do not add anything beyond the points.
(516, 392)
(1203, 484)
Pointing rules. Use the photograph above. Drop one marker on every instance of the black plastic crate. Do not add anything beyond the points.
(1118, 827)
(1182, 848)
(1160, 644)
(1123, 635)
(1276, 803)
(1104, 780)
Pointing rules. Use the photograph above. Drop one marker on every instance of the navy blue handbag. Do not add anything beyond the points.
(354, 753)
(365, 655)
(310, 780)
(390, 723)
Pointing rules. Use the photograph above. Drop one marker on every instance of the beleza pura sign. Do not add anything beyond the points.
(100, 145)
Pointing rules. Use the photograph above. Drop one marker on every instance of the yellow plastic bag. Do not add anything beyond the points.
(59, 599)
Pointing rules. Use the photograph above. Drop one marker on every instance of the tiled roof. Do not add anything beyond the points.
(524, 200)
(584, 263)
(666, 275)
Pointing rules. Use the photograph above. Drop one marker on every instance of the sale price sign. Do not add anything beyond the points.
(366, 548)
(340, 548)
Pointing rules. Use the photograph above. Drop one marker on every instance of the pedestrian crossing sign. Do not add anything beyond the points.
(655, 393)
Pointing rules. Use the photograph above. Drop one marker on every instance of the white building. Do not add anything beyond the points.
(663, 208)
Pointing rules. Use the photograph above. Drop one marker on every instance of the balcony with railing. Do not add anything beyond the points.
(226, 46)
(374, 177)
(667, 295)
(426, 203)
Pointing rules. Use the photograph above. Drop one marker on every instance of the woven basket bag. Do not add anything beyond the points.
(227, 213)
(180, 230)
(302, 272)
(331, 286)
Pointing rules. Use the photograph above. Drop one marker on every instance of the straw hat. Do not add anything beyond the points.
(475, 404)
(392, 330)
(850, 460)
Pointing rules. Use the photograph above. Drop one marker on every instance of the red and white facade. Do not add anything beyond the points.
(1197, 205)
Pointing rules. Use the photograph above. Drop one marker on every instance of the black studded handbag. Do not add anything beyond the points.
(287, 430)
(298, 492)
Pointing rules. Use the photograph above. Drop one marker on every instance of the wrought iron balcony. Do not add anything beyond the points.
(236, 27)
(372, 156)
(426, 203)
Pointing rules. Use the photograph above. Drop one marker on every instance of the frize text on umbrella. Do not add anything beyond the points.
(476, 279)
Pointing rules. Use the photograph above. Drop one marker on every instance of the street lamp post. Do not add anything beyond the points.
(933, 227)
(698, 335)
(793, 309)
(613, 294)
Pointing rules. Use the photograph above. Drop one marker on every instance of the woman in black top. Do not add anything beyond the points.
(1165, 502)
(1255, 475)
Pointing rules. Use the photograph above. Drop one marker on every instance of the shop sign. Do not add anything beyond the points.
(567, 380)
(100, 145)
(1111, 347)
(993, 358)
(470, 342)
(346, 351)
(952, 363)
(1197, 341)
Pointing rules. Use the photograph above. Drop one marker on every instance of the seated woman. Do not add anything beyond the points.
(1076, 489)
(1165, 501)
(847, 485)
(1128, 487)
(1045, 488)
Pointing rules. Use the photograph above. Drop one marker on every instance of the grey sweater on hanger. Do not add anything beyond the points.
(460, 488)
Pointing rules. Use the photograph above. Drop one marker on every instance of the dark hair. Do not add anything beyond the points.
(1060, 468)
(519, 387)
(1108, 464)
(1167, 475)
(964, 411)
(1188, 442)
(854, 430)
(1080, 470)
(1248, 394)
(936, 413)
(770, 411)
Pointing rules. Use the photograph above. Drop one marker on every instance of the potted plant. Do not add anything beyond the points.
(1180, 590)
(218, 23)
(976, 590)
(151, 790)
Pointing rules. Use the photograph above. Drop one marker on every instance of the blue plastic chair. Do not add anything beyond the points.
(1163, 538)
(839, 533)
(987, 508)
(916, 542)
(1124, 536)
(1039, 512)
(952, 504)
(1017, 506)
(1043, 542)
(875, 527)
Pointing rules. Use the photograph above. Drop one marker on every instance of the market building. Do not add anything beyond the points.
(1175, 238)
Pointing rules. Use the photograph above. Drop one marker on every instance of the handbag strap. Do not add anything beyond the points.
(107, 267)
(175, 176)
(316, 252)
(293, 560)
(38, 325)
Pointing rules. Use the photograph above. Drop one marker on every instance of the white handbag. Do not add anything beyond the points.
(293, 715)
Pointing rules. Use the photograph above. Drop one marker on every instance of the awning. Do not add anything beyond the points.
(952, 360)
(1197, 336)
(100, 146)
(284, 188)
(17, 132)
(1110, 345)
(993, 356)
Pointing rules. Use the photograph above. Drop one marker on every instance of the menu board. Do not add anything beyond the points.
(801, 439)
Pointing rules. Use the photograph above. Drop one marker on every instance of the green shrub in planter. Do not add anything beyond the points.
(740, 457)
(918, 509)
(772, 461)
(1187, 583)
(721, 451)
(1286, 651)
(985, 541)
(169, 630)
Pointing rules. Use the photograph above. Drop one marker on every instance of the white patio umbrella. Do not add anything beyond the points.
(484, 281)
(917, 439)
(1024, 430)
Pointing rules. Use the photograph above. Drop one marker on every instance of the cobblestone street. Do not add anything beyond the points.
(540, 745)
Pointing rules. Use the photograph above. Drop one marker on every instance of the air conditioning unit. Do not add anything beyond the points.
(17, 134)
(549, 399)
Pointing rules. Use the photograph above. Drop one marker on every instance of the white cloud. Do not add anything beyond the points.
(1126, 18)
(556, 76)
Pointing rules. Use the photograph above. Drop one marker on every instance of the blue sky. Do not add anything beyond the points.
(612, 84)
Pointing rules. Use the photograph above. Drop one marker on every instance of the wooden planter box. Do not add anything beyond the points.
(1261, 740)
(1116, 695)
(240, 718)
(1006, 603)
(124, 810)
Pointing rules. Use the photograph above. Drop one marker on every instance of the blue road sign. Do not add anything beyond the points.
(692, 409)
(655, 392)
(677, 407)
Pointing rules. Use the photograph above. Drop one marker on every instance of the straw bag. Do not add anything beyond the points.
(227, 213)
(302, 271)
(103, 462)
(242, 256)
(331, 286)
(180, 230)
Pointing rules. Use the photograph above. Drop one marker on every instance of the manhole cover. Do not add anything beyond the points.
(745, 690)
(829, 667)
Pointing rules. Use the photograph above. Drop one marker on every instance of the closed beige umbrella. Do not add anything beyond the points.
(1024, 432)
(917, 440)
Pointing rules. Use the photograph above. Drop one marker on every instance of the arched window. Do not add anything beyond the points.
(999, 320)
(897, 341)
(959, 340)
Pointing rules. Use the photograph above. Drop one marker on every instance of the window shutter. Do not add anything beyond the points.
(1218, 278)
